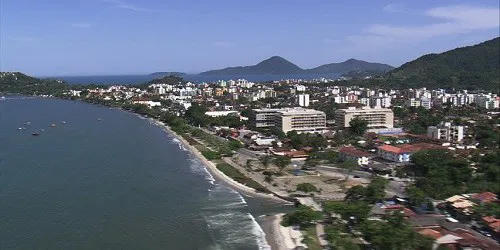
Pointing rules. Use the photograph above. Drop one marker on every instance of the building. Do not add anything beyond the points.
(426, 103)
(300, 120)
(376, 117)
(353, 154)
(413, 102)
(263, 118)
(303, 100)
(446, 132)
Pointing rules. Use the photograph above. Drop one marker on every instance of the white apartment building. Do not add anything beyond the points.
(299, 119)
(376, 117)
(446, 132)
(426, 102)
(303, 100)
(413, 102)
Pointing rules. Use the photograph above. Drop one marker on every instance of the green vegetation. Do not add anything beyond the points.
(303, 217)
(347, 209)
(19, 83)
(374, 192)
(311, 239)
(307, 187)
(236, 175)
(396, 233)
(358, 126)
(325, 156)
(487, 209)
(439, 168)
(299, 141)
(472, 67)
(281, 161)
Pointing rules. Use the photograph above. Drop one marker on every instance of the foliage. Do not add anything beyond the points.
(338, 238)
(195, 115)
(22, 84)
(327, 156)
(282, 161)
(487, 209)
(303, 217)
(265, 160)
(236, 175)
(299, 141)
(473, 67)
(374, 192)
(358, 126)
(396, 233)
(211, 155)
(357, 209)
(307, 187)
(415, 196)
(439, 168)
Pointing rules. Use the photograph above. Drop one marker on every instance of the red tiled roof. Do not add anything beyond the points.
(485, 197)
(490, 219)
(353, 152)
(431, 233)
(407, 148)
(495, 226)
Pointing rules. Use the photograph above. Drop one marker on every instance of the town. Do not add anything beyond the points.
(368, 168)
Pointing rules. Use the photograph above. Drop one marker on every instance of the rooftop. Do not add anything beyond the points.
(354, 152)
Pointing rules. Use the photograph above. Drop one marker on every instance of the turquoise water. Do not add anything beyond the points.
(119, 182)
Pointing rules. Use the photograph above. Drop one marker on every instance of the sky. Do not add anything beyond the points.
(103, 37)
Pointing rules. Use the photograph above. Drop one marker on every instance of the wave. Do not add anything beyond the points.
(197, 167)
(260, 235)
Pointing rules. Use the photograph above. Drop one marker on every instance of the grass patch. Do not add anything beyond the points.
(236, 175)
(190, 140)
(311, 239)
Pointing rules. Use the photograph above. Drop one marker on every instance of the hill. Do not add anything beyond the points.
(163, 74)
(349, 66)
(471, 67)
(19, 83)
(279, 66)
(273, 66)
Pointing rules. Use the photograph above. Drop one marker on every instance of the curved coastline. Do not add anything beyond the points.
(217, 174)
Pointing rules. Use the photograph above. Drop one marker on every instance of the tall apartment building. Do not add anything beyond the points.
(446, 132)
(303, 100)
(376, 117)
(288, 119)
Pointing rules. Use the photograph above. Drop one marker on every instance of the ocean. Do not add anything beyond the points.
(103, 178)
(138, 79)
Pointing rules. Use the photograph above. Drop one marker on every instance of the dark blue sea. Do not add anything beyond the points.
(138, 79)
(103, 178)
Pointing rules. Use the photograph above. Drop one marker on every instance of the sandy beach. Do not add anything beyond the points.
(217, 174)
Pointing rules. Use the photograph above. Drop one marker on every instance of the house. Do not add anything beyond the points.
(486, 197)
(461, 204)
(353, 154)
(492, 223)
(395, 154)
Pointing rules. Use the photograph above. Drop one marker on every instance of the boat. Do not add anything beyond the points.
(99, 119)
(36, 134)
(41, 130)
(19, 128)
(52, 125)
(63, 122)
(27, 123)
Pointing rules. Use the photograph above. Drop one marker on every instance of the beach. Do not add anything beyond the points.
(276, 237)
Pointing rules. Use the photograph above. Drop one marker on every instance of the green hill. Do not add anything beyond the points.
(19, 83)
(471, 67)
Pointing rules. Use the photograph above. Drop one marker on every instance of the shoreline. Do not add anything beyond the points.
(270, 224)
(216, 173)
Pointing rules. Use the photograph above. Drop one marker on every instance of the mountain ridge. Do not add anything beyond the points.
(276, 65)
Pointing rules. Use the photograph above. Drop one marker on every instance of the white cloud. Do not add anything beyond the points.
(454, 20)
(127, 6)
(395, 7)
(223, 44)
(82, 25)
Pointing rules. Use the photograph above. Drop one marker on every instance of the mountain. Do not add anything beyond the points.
(279, 66)
(273, 66)
(163, 74)
(471, 67)
(349, 66)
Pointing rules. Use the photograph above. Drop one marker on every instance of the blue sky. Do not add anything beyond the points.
(95, 37)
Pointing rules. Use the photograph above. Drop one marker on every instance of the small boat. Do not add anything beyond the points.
(36, 134)
(52, 125)
(19, 128)
(27, 123)
(99, 119)
(41, 130)
(63, 122)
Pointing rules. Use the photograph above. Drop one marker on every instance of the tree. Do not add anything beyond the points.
(307, 187)
(196, 115)
(355, 193)
(303, 217)
(358, 126)
(282, 161)
(348, 166)
(265, 160)
(415, 196)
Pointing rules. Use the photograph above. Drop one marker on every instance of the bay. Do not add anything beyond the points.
(108, 179)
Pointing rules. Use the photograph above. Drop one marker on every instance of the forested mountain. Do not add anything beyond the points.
(349, 66)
